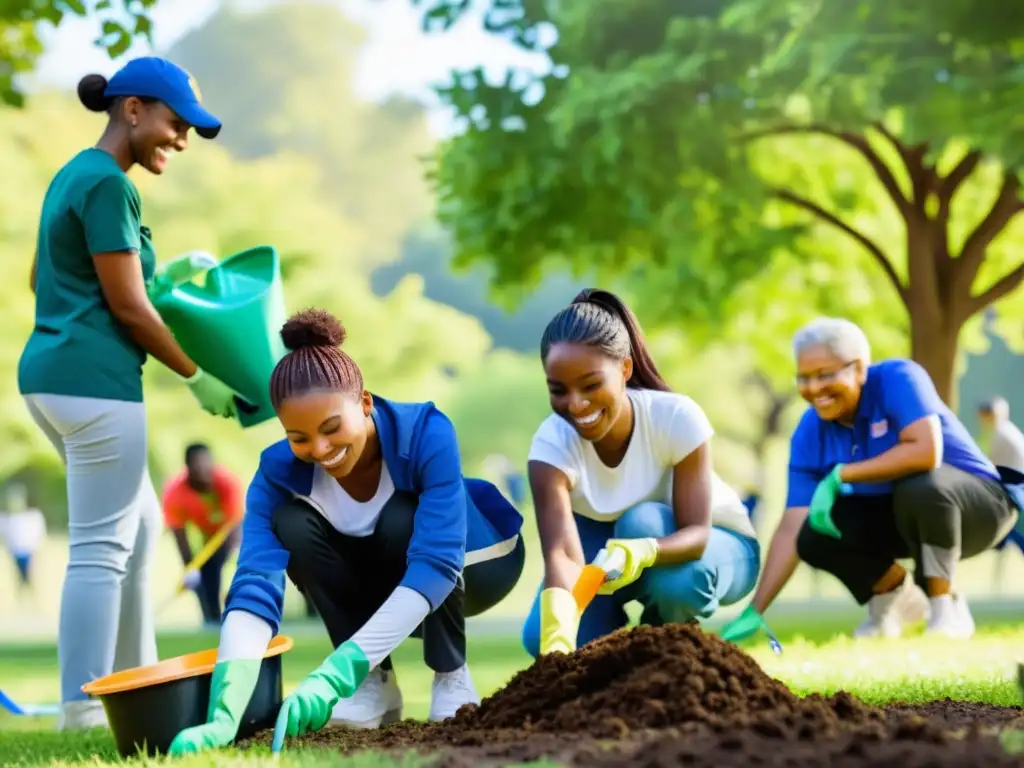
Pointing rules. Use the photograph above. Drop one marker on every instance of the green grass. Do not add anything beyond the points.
(815, 659)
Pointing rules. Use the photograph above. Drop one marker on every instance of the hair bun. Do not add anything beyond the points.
(312, 328)
(91, 92)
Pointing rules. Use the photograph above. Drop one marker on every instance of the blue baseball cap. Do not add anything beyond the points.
(156, 78)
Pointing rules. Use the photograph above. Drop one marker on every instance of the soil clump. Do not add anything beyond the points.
(673, 695)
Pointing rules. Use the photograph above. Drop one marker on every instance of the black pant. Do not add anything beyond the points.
(347, 578)
(208, 591)
(946, 509)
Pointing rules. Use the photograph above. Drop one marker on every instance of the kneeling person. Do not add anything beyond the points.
(625, 464)
(365, 507)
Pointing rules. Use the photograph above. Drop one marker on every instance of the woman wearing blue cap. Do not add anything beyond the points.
(80, 372)
(880, 469)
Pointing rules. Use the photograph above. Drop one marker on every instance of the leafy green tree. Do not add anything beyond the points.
(20, 46)
(647, 145)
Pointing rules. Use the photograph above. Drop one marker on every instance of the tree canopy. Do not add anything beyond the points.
(20, 46)
(649, 145)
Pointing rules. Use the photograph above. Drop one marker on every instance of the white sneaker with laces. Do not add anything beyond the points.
(378, 701)
(950, 616)
(888, 613)
(450, 691)
(81, 715)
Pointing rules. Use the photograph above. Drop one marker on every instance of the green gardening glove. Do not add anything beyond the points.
(230, 690)
(178, 271)
(743, 626)
(309, 707)
(820, 515)
(213, 395)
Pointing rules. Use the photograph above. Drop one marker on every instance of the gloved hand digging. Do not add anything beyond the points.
(309, 706)
(820, 512)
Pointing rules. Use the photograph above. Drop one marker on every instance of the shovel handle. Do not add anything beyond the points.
(585, 590)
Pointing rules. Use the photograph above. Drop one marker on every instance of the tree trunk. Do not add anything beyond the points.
(934, 346)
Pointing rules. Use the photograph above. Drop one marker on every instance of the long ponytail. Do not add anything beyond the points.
(599, 318)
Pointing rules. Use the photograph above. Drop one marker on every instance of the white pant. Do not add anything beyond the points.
(106, 617)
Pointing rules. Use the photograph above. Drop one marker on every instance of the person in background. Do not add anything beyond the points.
(880, 469)
(208, 497)
(624, 464)
(80, 372)
(365, 507)
(1004, 438)
(1005, 447)
(24, 531)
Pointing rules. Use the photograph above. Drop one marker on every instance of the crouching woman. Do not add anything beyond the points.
(365, 507)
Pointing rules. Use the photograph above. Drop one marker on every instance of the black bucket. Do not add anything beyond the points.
(146, 719)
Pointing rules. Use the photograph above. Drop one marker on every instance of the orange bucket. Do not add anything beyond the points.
(148, 706)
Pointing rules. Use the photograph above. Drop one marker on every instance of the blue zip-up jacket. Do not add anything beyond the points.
(456, 516)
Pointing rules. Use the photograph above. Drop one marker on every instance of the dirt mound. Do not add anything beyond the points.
(674, 695)
(655, 677)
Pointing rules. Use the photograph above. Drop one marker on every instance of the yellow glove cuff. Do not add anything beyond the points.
(559, 621)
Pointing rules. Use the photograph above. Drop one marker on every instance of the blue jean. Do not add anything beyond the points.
(725, 574)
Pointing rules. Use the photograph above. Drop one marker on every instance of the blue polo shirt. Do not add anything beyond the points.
(896, 394)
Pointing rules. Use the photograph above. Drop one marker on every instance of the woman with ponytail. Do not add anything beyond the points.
(364, 505)
(80, 372)
(623, 466)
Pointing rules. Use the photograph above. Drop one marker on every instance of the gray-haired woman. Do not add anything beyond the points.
(881, 469)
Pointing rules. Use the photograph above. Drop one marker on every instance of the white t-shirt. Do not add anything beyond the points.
(668, 427)
(345, 514)
(245, 635)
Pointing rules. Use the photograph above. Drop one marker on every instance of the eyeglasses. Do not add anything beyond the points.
(825, 377)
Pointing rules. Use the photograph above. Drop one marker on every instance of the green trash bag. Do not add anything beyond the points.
(230, 324)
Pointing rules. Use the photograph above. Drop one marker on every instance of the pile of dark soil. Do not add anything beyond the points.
(672, 695)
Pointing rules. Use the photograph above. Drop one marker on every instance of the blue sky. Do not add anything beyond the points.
(393, 26)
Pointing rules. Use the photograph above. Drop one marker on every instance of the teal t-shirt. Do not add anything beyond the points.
(77, 346)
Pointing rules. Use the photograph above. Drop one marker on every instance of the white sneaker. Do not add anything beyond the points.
(888, 613)
(951, 617)
(81, 715)
(378, 701)
(450, 691)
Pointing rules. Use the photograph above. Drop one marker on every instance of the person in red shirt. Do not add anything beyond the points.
(206, 496)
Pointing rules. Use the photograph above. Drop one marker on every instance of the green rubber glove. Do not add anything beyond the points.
(230, 690)
(309, 707)
(213, 395)
(820, 515)
(179, 270)
(743, 626)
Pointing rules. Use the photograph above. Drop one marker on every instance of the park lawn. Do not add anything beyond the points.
(815, 659)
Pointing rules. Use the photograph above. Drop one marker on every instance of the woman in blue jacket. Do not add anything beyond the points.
(365, 507)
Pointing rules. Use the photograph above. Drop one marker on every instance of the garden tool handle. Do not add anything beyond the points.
(595, 574)
(210, 548)
(585, 590)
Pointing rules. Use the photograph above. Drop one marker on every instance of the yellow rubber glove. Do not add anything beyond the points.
(639, 554)
(559, 621)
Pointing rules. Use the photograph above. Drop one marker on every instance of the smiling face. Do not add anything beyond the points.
(328, 428)
(155, 133)
(830, 384)
(587, 388)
